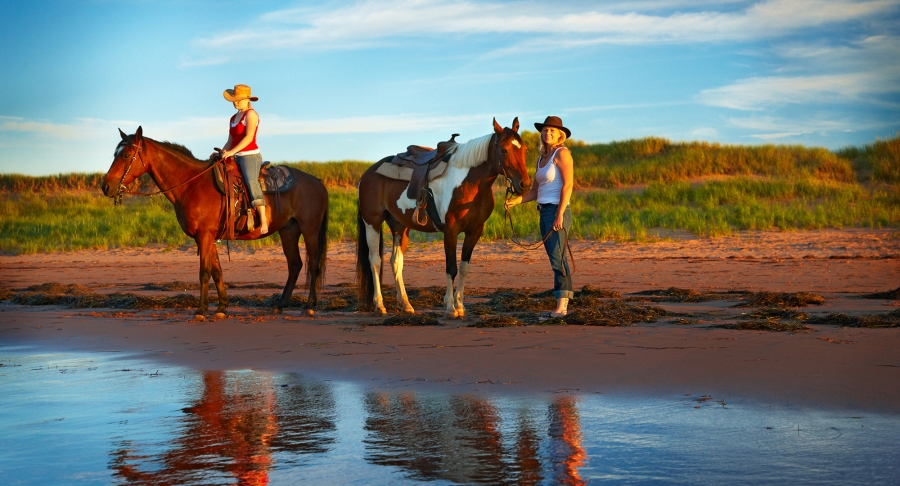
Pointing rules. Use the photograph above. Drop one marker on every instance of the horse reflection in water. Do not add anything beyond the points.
(461, 439)
(233, 430)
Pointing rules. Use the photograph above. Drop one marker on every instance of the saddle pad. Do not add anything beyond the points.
(277, 179)
(392, 171)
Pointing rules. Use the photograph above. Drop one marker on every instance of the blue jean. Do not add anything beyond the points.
(250, 165)
(556, 249)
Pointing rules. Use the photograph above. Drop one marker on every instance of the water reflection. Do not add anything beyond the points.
(462, 439)
(90, 418)
(231, 432)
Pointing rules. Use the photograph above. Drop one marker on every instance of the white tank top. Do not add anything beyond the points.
(549, 181)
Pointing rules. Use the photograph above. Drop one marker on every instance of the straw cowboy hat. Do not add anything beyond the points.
(240, 92)
(555, 122)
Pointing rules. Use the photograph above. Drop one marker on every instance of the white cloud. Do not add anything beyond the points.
(772, 128)
(376, 22)
(759, 93)
(863, 71)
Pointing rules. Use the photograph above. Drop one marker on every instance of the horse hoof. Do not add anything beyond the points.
(310, 312)
(219, 315)
(279, 310)
(199, 317)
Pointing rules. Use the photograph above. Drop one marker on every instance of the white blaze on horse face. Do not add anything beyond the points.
(516, 143)
(120, 148)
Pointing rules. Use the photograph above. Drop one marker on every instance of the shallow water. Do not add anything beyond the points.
(77, 418)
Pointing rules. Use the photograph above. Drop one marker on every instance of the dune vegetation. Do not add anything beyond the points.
(634, 189)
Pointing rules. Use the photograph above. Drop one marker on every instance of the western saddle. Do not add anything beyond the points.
(423, 161)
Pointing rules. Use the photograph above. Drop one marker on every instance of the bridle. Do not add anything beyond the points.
(136, 153)
(121, 191)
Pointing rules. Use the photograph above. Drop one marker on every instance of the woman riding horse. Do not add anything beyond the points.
(242, 146)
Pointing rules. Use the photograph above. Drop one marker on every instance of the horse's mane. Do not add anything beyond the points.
(170, 146)
(176, 147)
(472, 153)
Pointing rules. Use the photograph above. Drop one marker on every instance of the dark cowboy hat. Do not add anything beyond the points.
(555, 122)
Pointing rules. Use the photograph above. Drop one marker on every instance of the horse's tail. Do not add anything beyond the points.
(323, 253)
(365, 279)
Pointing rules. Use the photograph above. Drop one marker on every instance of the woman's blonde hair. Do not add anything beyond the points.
(562, 140)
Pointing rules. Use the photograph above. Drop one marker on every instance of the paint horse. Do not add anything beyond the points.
(463, 199)
(188, 184)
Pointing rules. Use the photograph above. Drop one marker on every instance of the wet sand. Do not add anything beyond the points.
(829, 367)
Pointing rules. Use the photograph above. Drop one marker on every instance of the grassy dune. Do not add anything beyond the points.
(625, 190)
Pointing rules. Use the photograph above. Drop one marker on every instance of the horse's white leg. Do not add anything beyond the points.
(450, 306)
(397, 266)
(373, 238)
(460, 289)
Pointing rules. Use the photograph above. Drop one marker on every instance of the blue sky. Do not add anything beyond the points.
(361, 80)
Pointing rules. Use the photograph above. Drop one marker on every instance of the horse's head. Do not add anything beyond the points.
(508, 154)
(123, 170)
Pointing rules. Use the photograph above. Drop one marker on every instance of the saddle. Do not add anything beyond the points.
(240, 216)
(419, 165)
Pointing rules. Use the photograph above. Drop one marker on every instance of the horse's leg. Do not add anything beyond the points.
(373, 239)
(206, 247)
(314, 247)
(401, 242)
(468, 245)
(218, 278)
(450, 239)
(290, 245)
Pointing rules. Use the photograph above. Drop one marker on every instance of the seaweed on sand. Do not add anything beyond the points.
(512, 300)
(782, 299)
(597, 292)
(498, 321)
(426, 297)
(80, 297)
(612, 313)
(771, 324)
(777, 313)
(887, 295)
(408, 320)
(675, 294)
(890, 319)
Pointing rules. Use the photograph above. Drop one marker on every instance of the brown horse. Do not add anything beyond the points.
(199, 207)
(463, 200)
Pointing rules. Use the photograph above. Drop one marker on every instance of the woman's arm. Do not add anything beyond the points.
(252, 123)
(531, 195)
(566, 168)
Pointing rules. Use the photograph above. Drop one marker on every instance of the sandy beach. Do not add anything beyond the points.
(825, 367)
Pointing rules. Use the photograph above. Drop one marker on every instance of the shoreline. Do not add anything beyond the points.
(829, 367)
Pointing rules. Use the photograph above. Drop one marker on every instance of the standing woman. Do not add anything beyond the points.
(555, 178)
(242, 146)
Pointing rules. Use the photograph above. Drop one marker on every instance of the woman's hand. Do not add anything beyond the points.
(558, 222)
(512, 202)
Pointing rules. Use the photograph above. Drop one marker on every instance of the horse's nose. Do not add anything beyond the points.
(522, 186)
(105, 188)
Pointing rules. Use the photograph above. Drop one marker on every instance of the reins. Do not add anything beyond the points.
(515, 238)
(137, 154)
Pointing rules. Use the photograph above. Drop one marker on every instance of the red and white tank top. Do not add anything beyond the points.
(237, 129)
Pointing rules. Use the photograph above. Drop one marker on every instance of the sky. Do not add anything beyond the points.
(362, 80)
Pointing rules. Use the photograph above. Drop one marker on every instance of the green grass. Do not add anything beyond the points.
(626, 190)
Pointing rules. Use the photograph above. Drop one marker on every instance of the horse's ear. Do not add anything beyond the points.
(515, 125)
(122, 134)
(497, 127)
(139, 134)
